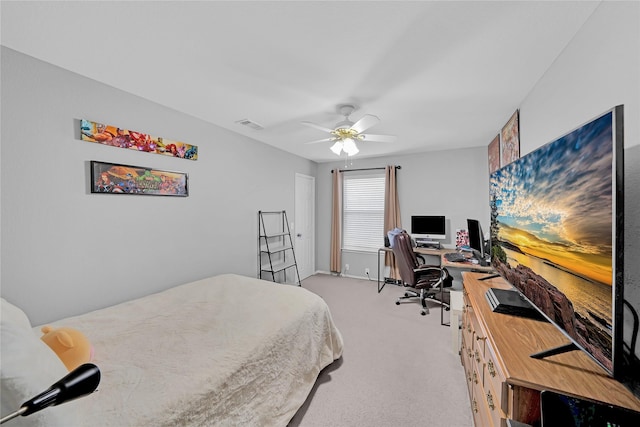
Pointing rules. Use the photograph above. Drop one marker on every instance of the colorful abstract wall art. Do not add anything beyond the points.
(125, 179)
(123, 138)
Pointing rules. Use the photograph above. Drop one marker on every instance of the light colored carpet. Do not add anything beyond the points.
(398, 368)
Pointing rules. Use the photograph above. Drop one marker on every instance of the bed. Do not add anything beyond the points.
(227, 350)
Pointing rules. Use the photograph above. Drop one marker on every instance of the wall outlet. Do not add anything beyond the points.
(346, 267)
(366, 271)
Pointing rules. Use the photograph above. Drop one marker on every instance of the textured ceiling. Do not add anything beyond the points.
(439, 74)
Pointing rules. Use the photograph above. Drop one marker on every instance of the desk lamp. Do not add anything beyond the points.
(79, 382)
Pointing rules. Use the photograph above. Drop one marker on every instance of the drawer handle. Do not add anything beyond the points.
(491, 368)
(468, 376)
(490, 401)
(477, 356)
(475, 377)
(481, 338)
(475, 406)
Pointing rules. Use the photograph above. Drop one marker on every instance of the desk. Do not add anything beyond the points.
(467, 265)
(455, 302)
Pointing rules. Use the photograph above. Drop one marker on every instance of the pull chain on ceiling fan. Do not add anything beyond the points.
(346, 133)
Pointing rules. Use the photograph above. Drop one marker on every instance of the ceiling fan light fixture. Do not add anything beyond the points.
(350, 147)
(346, 133)
(337, 147)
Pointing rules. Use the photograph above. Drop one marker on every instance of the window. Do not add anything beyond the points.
(363, 212)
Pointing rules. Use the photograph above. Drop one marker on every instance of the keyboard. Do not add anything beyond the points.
(455, 257)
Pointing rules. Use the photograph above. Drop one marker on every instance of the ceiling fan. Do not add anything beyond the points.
(346, 133)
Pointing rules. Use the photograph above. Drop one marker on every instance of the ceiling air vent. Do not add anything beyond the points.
(253, 125)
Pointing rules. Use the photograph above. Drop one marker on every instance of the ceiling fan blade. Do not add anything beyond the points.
(365, 123)
(378, 138)
(313, 125)
(321, 140)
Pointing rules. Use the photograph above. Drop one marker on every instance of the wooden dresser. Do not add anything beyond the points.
(503, 381)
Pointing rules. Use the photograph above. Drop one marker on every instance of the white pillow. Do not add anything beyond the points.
(28, 367)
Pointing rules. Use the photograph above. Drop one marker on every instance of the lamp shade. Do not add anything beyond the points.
(349, 147)
(337, 147)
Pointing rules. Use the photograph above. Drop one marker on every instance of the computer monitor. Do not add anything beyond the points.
(476, 238)
(428, 227)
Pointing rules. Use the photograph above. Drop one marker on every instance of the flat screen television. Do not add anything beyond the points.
(427, 227)
(556, 235)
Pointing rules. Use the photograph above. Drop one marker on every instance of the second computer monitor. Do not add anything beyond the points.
(476, 237)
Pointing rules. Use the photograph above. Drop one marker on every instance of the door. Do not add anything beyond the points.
(304, 225)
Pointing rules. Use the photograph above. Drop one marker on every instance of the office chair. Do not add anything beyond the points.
(429, 281)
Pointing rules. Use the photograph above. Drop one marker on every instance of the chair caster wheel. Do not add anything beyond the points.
(424, 313)
(397, 302)
(406, 294)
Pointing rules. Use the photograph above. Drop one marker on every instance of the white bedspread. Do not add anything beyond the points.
(227, 350)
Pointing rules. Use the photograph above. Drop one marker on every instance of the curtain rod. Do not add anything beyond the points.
(364, 169)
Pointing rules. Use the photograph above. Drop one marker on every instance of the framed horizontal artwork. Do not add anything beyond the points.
(138, 141)
(124, 179)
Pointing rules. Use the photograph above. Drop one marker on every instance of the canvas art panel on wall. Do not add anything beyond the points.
(125, 179)
(123, 138)
(510, 140)
(494, 154)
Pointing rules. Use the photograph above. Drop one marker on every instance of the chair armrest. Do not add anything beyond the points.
(422, 268)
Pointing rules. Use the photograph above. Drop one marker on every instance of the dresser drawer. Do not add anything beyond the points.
(495, 379)
(467, 327)
(495, 402)
(479, 339)
(481, 416)
(465, 358)
(478, 349)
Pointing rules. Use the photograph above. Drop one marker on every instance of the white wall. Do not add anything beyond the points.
(66, 251)
(596, 71)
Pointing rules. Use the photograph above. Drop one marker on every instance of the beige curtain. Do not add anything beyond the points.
(391, 215)
(336, 223)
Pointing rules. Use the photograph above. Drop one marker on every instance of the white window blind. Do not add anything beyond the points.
(363, 212)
